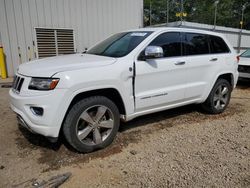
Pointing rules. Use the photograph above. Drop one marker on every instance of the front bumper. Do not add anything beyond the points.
(21, 122)
(49, 123)
(244, 75)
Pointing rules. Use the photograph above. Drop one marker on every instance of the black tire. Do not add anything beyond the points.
(210, 104)
(71, 124)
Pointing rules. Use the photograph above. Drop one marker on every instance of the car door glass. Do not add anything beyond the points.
(170, 43)
(195, 44)
(218, 45)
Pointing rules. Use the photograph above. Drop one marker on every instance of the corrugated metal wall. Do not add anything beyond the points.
(92, 20)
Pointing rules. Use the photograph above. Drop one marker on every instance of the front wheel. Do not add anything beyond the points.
(218, 98)
(92, 124)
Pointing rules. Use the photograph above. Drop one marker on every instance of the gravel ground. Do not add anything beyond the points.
(175, 148)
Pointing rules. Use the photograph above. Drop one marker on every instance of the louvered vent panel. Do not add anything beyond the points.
(52, 42)
(65, 41)
(46, 42)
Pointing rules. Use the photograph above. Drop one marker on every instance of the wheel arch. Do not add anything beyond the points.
(227, 76)
(111, 93)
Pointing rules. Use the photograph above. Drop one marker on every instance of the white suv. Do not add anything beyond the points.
(244, 65)
(130, 74)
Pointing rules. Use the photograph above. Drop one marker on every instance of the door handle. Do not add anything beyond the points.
(180, 63)
(214, 59)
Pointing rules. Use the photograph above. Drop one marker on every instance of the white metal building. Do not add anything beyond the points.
(32, 29)
(239, 40)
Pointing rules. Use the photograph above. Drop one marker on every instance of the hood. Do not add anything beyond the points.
(49, 66)
(244, 61)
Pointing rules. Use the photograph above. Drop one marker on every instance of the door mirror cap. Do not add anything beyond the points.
(153, 52)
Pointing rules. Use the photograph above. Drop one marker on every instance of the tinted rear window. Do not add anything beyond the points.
(218, 45)
(195, 44)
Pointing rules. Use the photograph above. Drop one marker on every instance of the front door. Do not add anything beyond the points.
(161, 81)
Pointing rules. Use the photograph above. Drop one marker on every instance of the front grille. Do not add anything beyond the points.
(243, 68)
(17, 84)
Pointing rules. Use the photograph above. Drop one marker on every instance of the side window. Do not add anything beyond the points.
(218, 45)
(170, 43)
(195, 44)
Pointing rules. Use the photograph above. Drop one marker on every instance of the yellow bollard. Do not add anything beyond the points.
(2, 64)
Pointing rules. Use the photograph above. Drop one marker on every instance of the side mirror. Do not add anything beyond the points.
(152, 52)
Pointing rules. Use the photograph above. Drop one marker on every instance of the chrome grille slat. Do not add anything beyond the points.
(18, 81)
(14, 83)
(17, 84)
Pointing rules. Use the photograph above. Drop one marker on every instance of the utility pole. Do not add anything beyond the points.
(167, 13)
(150, 13)
(215, 13)
(241, 26)
(181, 12)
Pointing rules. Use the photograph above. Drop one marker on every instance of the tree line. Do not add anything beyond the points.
(229, 12)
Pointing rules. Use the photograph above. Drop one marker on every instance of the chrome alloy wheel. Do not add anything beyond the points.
(95, 125)
(221, 97)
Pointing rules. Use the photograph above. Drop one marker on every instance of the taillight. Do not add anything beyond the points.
(238, 58)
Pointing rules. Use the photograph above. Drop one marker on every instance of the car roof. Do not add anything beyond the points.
(178, 29)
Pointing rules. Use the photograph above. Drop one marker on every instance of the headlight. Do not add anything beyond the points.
(43, 83)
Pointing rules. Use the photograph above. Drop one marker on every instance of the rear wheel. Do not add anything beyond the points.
(92, 124)
(218, 98)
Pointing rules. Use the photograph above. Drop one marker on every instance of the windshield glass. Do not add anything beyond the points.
(246, 54)
(119, 44)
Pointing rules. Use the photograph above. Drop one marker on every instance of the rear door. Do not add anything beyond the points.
(161, 81)
(205, 56)
(200, 64)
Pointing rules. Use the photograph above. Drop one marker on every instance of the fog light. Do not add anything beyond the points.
(38, 111)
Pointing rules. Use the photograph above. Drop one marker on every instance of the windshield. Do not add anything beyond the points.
(246, 54)
(120, 44)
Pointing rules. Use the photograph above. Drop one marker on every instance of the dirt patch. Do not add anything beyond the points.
(244, 84)
(245, 182)
(61, 154)
(182, 147)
